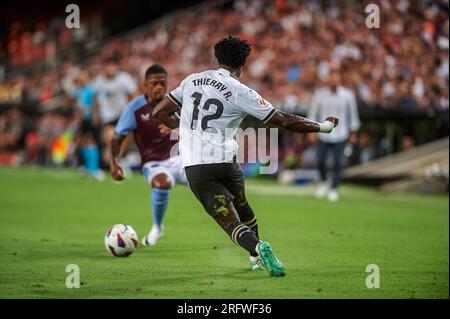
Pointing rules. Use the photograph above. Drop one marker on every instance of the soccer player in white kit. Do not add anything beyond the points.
(213, 104)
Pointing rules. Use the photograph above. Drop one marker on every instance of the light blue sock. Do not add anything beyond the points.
(160, 200)
(91, 158)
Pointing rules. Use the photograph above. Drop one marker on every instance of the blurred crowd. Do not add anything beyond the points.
(295, 44)
(43, 40)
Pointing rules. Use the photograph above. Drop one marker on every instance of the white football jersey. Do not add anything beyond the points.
(213, 104)
(113, 95)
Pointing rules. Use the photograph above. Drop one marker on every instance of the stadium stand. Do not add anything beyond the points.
(387, 70)
(425, 166)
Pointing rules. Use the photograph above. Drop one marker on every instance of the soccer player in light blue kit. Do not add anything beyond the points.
(84, 93)
(160, 169)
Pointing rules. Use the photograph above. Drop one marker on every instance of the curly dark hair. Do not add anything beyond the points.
(232, 52)
(154, 69)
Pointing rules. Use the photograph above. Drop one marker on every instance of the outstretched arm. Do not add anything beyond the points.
(125, 125)
(165, 112)
(116, 143)
(301, 124)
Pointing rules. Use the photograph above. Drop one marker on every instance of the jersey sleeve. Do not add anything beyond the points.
(177, 94)
(248, 101)
(127, 122)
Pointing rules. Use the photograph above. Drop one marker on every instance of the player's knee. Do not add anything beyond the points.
(162, 181)
(224, 213)
(220, 206)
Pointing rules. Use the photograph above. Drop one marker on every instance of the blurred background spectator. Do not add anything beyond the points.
(334, 100)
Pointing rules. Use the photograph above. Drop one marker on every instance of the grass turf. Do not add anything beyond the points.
(52, 218)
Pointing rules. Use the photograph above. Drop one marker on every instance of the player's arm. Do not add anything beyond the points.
(165, 112)
(301, 124)
(250, 102)
(115, 169)
(126, 124)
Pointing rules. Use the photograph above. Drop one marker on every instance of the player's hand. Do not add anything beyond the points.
(333, 120)
(328, 125)
(116, 172)
(163, 129)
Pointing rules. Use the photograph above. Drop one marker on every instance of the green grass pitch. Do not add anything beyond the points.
(52, 218)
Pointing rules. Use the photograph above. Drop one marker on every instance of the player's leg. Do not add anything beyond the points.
(161, 181)
(338, 154)
(236, 185)
(88, 150)
(248, 218)
(265, 257)
(175, 165)
(322, 150)
(245, 213)
(227, 217)
(206, 182)
(91, 159)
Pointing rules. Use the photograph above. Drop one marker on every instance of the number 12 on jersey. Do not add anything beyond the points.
(206, 118)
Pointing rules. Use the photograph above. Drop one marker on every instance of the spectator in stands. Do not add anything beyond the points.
(408, 143)
(292, 150)
(296, 44)
(12, 132)
(309, 158)
(363, 150)
(378, 63)
(49, 128)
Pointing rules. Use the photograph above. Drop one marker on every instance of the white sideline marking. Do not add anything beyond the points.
(281, 190)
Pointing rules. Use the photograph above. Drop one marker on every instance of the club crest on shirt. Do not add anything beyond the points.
(263, 102)
(145, 117)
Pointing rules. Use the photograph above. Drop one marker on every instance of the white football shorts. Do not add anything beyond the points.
(172, 167)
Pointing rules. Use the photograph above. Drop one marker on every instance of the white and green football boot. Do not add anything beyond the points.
(273, 266)
(256, 263)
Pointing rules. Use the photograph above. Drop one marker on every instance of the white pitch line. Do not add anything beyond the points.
(281, 190)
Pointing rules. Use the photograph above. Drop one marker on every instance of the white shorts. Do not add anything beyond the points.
(172, 167)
